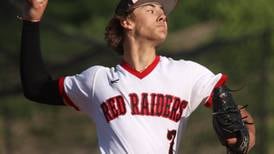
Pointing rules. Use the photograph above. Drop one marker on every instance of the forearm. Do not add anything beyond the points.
(37, 83)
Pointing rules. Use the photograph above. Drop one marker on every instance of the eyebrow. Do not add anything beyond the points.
(152, 5)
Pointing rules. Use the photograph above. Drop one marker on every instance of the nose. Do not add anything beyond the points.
(162, 18)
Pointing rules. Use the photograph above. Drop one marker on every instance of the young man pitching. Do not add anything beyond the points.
(141, 105)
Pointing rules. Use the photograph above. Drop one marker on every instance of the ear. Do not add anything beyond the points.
(127, 23)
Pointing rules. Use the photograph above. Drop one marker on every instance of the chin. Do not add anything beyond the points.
(159, 41)
(158, 38)
(163, 35)
(162, 38)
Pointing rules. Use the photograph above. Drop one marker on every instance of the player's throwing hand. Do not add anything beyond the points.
(34, 10)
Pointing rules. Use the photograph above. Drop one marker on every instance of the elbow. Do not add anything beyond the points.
(32, 90)
(30, 94)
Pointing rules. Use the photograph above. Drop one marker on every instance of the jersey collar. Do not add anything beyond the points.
(145, 72)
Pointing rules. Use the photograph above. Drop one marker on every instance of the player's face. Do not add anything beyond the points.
(150, 22)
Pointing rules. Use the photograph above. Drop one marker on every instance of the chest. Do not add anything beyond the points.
(154, 96)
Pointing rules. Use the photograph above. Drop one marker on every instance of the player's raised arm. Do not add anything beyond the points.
(37, 83)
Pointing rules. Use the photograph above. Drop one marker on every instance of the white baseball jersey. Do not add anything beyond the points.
(140, 112)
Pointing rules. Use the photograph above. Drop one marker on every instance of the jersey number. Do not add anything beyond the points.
(171, 134)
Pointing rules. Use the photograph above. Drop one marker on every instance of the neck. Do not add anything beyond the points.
(139, 55)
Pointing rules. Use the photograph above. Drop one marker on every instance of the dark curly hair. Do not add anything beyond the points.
(114, 31)
(114, 34)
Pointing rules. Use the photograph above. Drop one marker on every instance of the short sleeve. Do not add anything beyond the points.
(204, 81)
(77, 90)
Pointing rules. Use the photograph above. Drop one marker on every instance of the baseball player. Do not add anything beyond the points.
(141, 105)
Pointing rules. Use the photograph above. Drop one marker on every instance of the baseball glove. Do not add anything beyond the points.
(228, 123)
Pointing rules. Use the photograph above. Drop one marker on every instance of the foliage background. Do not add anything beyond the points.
(234, 37)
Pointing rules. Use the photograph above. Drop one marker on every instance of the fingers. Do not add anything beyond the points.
(34, 10)
(252, 140)
(231, 141)
(36, 3)
(40, 1)
(251, 127)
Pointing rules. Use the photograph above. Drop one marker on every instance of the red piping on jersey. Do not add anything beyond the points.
(63, 94)
(221, 82)
(144, 73)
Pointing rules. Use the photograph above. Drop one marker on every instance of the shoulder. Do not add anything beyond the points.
(94, 70)
(170, 60)
(88, 74)
(182, 64)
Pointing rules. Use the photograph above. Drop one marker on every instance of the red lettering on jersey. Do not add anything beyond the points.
(134, 101)
(181, 109)
(152, 104)
(184, 103)
(113, 108)
(121, 105)
(168, 101)
(166, 106)
(106, 112)
(160, 104)
(175, 107)
(144, 104)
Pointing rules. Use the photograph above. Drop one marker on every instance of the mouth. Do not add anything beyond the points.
(162, 27)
